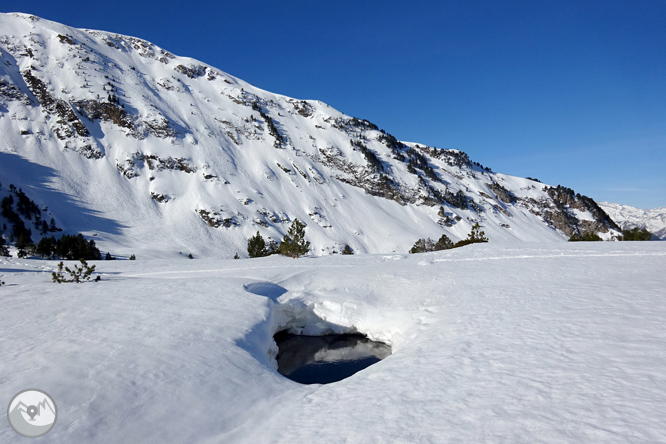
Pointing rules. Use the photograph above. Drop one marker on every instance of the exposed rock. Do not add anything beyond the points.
(68, 122)
(215, 220)
(502, 193)
(11, 92)
(191, 71)
(66, 39)
(160, 198)
(168, 163)
(110, 112)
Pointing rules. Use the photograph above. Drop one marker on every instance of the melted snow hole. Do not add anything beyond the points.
(328, 358)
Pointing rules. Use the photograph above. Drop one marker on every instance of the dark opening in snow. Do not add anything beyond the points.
(326, 359)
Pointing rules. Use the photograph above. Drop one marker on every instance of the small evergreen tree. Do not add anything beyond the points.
(132, 257)
(418, 247)
(444, 243)
(4, 251)
(347, 250)
(476, 235)
(423, 246)
(256, 246)
(78, 274)
(294, 244)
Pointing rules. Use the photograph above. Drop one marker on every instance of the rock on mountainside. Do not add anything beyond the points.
(147, 151)
(630, 217)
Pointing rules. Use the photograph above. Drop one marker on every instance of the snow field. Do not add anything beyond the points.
(491, 343)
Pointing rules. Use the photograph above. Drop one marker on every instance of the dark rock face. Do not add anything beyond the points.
(502, 193)
(69, 123)
(559, 212)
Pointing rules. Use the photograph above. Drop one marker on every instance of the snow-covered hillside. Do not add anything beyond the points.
(630, 217)
(540, 342)
(155, 154)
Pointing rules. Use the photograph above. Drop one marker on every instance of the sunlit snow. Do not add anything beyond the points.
(552, 342)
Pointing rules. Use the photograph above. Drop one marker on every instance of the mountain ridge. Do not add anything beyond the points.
(162, 154)
(628, 217)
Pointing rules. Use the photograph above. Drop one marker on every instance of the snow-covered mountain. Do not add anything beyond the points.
(152, 153)
(631, 217)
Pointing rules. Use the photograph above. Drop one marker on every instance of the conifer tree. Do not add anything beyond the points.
(444, 243)
(256, 246)
(78, 274)
(476, 235)
(294, 244)
(4, 251)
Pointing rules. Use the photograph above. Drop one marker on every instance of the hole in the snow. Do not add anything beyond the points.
(326, 359)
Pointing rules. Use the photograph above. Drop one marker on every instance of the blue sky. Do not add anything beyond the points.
(569, 92)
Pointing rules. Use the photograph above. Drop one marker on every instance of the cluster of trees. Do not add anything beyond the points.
(444, 243)
(15, 208)
(636, 234)
(419, 161)
(370, 156)
(394, 144)
(67, 247)
(587, 237)
(292, 245)
(272, 129)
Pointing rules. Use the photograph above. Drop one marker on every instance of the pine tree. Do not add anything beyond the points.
(476, 235)
(444, 243)
(46, 247)
(4, 251)
(256, 246)
(347, 250)
(78, 273)
(423, 246)
(294, 244)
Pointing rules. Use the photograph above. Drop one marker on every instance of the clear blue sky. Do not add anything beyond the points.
(569, 92)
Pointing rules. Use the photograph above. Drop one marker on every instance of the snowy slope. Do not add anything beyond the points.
(157, 154)
(554, 342)
(627, 217)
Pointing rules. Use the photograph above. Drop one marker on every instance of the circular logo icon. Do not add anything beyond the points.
(32, 413)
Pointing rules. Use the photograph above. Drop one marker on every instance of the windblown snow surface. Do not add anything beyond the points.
(541, 342)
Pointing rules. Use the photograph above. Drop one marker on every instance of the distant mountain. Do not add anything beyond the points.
(155, 154)
(630, 217)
